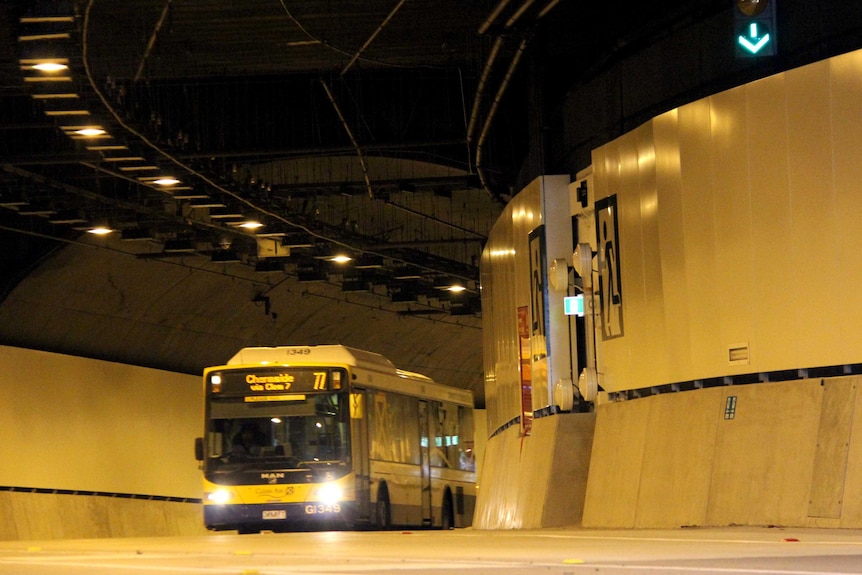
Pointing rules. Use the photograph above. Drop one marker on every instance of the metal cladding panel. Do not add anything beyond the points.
(737, 232)
(515, 281)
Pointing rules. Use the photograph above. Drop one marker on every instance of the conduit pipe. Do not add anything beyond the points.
(372, 37)
(486, 72)
(153, 37)
(352, 139)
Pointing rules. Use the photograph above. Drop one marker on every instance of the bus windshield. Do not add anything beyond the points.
(299, 432)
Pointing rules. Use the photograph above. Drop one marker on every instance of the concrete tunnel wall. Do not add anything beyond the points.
(96, 449)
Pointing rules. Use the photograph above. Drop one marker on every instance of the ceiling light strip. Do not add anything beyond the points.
(36, 37)
(58, 96)
(37, 79)
(45, 19)
(137, 168)
(67, 112)
(30, 62)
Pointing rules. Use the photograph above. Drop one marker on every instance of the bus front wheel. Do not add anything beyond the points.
(384, 511)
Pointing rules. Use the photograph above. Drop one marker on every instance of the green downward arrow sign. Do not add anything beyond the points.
(755, 40)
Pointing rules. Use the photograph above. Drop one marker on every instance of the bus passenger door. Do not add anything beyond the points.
(359, 418)
(426, 462)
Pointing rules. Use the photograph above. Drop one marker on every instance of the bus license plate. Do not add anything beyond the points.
(322, 509)
(275, 514)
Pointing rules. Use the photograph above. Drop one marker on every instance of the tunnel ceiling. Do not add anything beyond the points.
(389, 131)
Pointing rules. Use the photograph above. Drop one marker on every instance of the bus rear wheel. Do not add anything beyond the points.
(383, 509)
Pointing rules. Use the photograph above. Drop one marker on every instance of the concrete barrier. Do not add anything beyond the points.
(42, 516)
(780, 453)
(537, 480)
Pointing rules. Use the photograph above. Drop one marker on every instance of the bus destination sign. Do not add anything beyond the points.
(267, 381)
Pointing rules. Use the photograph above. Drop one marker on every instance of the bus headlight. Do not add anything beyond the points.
(219, 497)
(329, 493)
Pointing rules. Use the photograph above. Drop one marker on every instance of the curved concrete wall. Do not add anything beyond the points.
(727, 230)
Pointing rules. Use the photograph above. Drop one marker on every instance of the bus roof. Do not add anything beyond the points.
(357, 359)
(312, 354)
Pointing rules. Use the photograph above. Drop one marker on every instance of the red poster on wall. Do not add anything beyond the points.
(526, 370)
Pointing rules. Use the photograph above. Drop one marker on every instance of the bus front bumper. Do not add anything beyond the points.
(277, 516)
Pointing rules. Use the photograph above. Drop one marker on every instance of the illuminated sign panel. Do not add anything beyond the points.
(754, 30)
(574, 305)
(267, 381)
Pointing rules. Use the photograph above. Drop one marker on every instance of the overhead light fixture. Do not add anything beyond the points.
(100, 230)
(167, 181)
(340, 259)
(90, 132)
(251, 225)
(453, 287)
(50, 66)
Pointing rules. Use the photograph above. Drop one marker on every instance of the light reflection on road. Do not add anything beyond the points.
(755, 551)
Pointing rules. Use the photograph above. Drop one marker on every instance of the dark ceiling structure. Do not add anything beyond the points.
(334, 133)
(388, 132)
(366, 146)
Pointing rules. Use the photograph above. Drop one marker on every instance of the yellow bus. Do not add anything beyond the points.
(336, 437)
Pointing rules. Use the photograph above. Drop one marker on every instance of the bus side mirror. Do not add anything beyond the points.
(199, 448)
